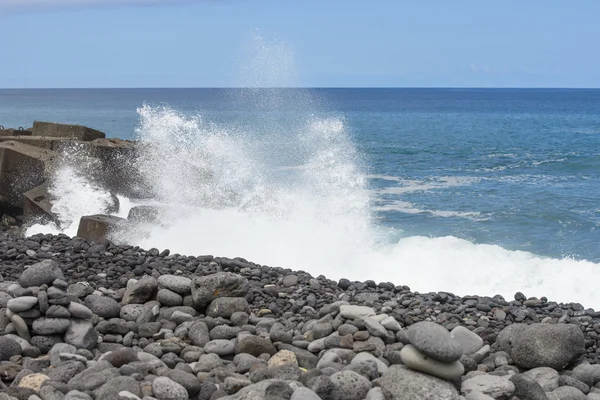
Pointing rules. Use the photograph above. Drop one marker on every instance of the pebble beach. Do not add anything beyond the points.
(82, 321)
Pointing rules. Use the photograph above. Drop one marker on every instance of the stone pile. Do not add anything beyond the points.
(82, 321)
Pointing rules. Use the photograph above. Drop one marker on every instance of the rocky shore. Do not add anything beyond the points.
(82, 321)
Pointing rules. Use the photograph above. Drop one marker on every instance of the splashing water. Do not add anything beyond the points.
(287, 187)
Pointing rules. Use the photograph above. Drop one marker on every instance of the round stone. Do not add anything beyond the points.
(435, 341)
(167, 389)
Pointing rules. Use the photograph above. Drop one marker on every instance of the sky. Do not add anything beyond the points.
(311, 43)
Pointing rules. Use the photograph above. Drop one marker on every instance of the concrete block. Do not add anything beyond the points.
(22, 168)
(78, 132)
(50, 143)
(37, 205)
(97, 228)
(14, 132)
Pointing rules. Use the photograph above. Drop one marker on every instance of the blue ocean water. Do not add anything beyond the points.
(517, 168)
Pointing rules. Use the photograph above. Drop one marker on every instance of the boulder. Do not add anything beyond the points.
(42, 273)
(548, 345)
(141, 291)
(225, 306)
(223, 284)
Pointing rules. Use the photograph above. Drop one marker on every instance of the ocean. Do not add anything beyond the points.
(471, 191)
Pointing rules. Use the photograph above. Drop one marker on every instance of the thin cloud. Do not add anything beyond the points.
(47, 5)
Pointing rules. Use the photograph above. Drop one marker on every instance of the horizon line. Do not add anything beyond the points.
(306, 87)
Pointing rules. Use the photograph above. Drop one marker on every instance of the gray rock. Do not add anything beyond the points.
(391, 324)
(66, 370)
(566, 393)
(208, 362)
(507, 336)
(22, 303)
(303, 393)
(255, 345)
(223, 284)
(381, 366)
(190, 382)
(491, 385)
(42, 273)
(177, 284)
(400, 383)
(225, 306)
(93, 377)
(469, 341)
(374, 327)
(9, 348)
(79, 311)
(415, 360)
(20, 327)
(110, 390)
(546, 377)
(103, 306)
(198, 334)
(119, 357)
(50, 326)
(81, 334)
(141, 291)
(50, 393)
(566, 380)
(131, 312)
(548, 345)
(356, 312)
(322, 329)
(169, 298)
(56, 311)
(77, 395)
(586, 373)
(4, 298)
(527, 388)
(57, 350)
(244, 362)
(167, 389)
(435, 341)
(221, 347)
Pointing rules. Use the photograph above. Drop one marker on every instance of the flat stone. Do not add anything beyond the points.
(391, 324)
(414, 359)
(491, 385)
(469, 341)
(356, 312)
(177, 284)
(374, 327)
(401, 383)
(22, 303)
(50, 326)
(434, 341)
(221, 347)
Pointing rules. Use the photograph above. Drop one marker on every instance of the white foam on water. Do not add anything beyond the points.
(296, 196)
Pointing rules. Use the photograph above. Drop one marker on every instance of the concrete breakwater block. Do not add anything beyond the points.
(10, 132)
(22, 168)
(50, 143)
(78, 132)
(97, 228)
(37, 205)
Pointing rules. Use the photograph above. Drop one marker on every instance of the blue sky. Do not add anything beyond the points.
(326, 43)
